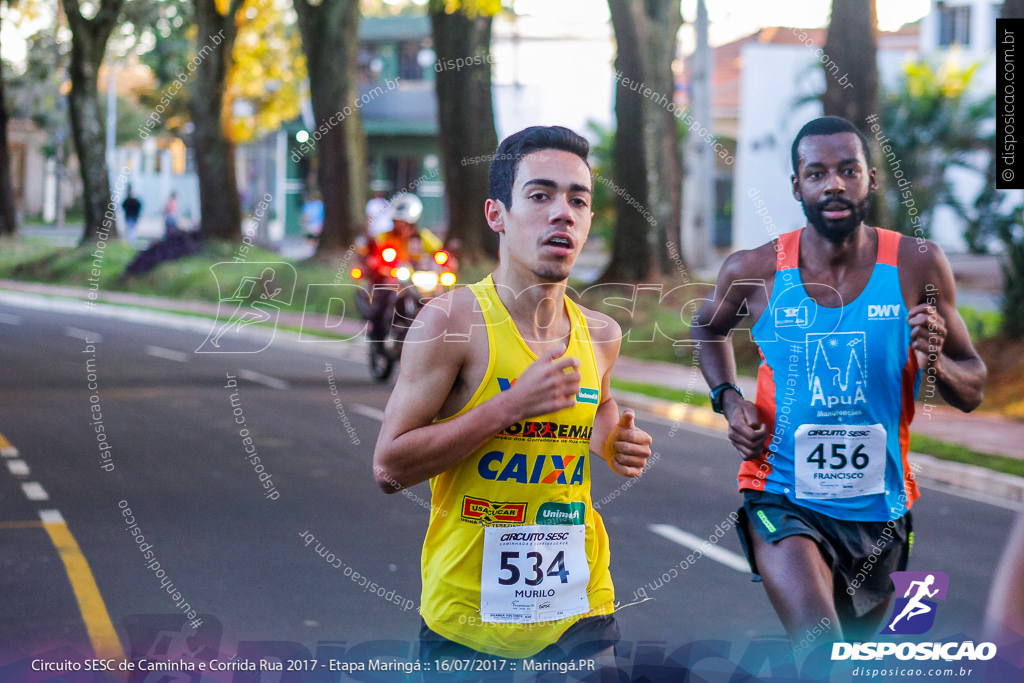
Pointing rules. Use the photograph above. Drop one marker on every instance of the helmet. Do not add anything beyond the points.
(406, 207)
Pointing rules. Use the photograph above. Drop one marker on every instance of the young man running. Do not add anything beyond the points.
(502, 397)
(849, 320)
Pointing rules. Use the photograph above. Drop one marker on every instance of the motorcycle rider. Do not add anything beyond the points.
(409, 243)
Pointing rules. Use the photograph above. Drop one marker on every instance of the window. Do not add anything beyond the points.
(409, 67)
(954, 25)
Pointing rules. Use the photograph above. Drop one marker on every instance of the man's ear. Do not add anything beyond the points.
(872, 180)
(494, 211)
(796, 188)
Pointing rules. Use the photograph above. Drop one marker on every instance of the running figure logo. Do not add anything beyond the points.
(914, 613)
(254, 299)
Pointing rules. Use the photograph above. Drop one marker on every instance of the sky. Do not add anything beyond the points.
(729, 19)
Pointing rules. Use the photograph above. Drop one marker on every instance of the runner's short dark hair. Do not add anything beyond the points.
(512, 149)
(828, 125)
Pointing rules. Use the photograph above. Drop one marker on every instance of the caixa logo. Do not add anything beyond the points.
(913, 613)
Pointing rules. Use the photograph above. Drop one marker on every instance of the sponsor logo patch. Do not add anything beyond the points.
(791, 316)
(488, 513)
(562, 513)
(548, 430)
(883, 311)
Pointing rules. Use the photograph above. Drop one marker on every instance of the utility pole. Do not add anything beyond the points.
(698, 184)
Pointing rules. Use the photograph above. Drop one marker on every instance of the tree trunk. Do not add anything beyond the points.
(1013, 9)
(851, 83)
(8, 217)
(220, 211)
(665, 160)
(88, 44)
(330, 41)
(466, 117)
(648, 163)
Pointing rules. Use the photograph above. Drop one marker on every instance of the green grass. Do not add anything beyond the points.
(17, 250)
(693, 398)
(981, 324)
(957, 453)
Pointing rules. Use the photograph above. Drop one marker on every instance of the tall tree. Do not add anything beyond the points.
(648, 161)
(219, 206)
(462, 29)
(851, 46)
(8, 219)
(330, 41)
(88, 44)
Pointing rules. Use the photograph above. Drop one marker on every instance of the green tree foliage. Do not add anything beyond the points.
(930, 124)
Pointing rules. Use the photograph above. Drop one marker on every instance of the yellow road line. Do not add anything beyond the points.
(102, 635)
(7, 450)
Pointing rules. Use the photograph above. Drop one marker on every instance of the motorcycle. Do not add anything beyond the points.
(397, 292)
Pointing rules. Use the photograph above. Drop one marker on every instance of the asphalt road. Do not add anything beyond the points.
(300, 555)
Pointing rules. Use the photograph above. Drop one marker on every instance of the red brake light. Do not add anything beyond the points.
(356, 273)
(441, 257)
(389, 255)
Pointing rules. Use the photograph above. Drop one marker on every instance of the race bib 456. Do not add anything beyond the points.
(839, 461)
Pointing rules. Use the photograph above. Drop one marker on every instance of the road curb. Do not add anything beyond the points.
(928, 469)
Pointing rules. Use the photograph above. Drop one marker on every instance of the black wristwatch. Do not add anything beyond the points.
(718, 392)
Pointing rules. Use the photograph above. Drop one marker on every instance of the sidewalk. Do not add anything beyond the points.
(980, 432)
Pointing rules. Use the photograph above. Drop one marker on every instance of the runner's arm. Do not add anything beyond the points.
(940, 337)
(412, 447)
(615, 438)
(711, 327)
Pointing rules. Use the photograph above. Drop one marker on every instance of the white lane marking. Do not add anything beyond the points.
(11, 452)
(34, 491)
(8, 319)
(688, 540)
(51, 516)
(84, 335)
(369, 412)
(18, 468)
(169, 354)
(260, 378)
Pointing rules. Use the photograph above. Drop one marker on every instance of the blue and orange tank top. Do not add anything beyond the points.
(836, 389)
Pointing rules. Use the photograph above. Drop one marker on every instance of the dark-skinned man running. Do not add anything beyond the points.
(849, 320)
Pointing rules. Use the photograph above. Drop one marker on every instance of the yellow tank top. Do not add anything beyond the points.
(531, 481)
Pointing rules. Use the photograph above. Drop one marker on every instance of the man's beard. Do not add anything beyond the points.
(836, 231)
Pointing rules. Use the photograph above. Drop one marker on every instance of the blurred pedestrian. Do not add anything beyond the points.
(313, 216)
(131, 207)
(171, 215)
